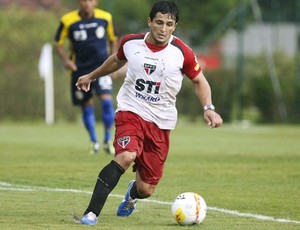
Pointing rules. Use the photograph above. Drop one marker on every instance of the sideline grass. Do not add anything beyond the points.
(252, 170)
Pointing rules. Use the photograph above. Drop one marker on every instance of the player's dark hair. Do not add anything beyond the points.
(165, 7)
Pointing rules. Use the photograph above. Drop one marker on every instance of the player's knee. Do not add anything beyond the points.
(125, 159)
(88, 103)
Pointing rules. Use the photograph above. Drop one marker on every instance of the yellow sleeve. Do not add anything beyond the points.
(63, 30)
(110, 27)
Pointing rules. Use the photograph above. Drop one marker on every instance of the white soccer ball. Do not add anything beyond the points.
(189, 208)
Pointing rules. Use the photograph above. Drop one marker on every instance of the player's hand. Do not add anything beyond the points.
(83, 83)
(70, 65)
(213, 119)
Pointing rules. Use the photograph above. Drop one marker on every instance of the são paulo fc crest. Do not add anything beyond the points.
(149, 69)
(123, 141)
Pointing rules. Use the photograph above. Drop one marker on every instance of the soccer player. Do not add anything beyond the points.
(156, 61)
(89, 30)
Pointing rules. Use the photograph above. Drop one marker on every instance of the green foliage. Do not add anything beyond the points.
(222, 82)
(21, 33)
(277, 10)
(261, 91)
(22, 89)
(128, 20)
(223, 165)
(24, 33)
(197, 18)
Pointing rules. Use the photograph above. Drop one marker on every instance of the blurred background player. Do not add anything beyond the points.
(92, 39)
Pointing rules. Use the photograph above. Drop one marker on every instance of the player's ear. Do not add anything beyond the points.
(149, 21)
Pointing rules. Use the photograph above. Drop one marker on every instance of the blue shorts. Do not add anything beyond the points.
(102, 85)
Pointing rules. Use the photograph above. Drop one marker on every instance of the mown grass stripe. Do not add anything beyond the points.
(24, 188)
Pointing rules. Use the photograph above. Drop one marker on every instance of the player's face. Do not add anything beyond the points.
(87, 7)
(161, 28)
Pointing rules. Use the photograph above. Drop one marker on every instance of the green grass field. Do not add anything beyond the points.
(249, 178)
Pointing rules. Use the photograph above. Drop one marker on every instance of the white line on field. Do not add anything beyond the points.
(14, 187)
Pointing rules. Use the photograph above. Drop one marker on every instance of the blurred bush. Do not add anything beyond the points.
(261, 93)
(221, 82)
(23, 33)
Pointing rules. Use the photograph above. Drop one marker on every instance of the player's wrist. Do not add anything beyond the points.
(209, 107)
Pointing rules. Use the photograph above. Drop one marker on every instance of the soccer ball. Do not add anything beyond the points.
(189, 208)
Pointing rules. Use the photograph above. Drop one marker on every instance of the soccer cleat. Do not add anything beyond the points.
(94, 148)
(89, 219)
(128, 204)
(109, 148)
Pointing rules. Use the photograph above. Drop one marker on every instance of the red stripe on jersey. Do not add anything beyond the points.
(155, 48)
(191, 67)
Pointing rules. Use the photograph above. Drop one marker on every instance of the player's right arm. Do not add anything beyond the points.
(69, 64)
(61, 36)
(112, 64)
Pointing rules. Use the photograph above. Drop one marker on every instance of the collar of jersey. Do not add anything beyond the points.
(155, 48)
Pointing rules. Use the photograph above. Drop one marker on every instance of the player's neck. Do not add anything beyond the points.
(86, 15)
(151, 41)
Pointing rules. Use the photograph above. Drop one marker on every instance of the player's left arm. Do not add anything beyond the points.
(203, 92)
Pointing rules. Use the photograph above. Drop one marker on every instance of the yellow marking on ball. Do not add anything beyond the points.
(179, 215)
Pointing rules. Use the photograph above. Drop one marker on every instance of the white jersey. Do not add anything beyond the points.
(154, 78)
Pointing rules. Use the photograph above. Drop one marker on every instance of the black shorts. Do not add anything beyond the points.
(102, 85)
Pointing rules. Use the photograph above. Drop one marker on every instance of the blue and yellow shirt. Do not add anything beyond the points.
(88, 38)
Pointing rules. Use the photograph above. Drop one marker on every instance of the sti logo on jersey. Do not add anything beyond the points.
(149, 86)
(149, 69)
